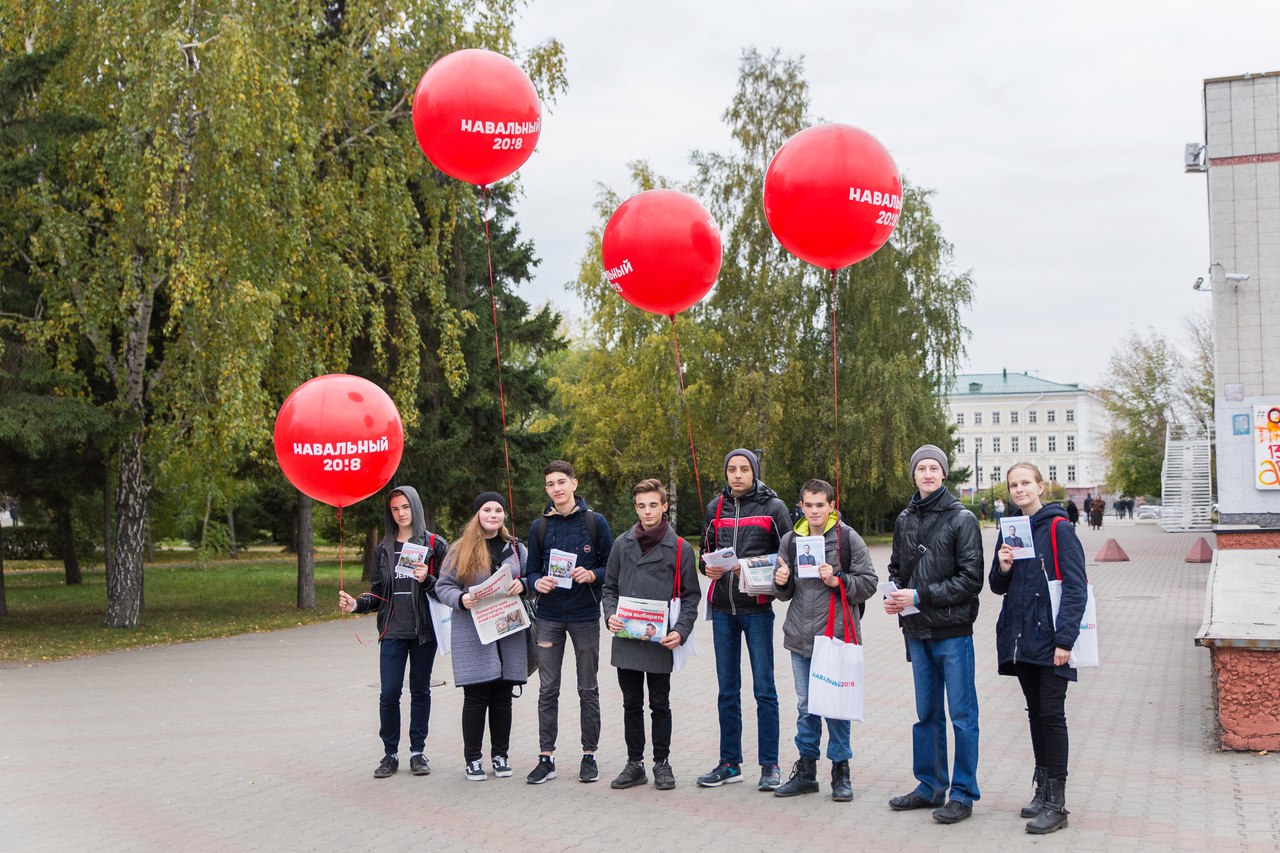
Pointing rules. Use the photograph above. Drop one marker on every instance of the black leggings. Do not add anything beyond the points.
(1046, 695)
(632, 684)
(494, 699)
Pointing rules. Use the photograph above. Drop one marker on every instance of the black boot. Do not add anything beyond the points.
(804, 779)
(1054, 815)
(1034, 807)
(841, 788)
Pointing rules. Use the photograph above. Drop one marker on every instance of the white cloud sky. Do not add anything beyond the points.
(1052, 135)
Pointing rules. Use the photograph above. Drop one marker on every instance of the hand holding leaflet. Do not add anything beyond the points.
(888, 587)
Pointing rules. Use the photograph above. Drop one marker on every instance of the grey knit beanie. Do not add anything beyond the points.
(929, 451)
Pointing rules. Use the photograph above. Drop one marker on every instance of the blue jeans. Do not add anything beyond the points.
(809, 727)
(393, 655)
(940, 666)
(727, 630)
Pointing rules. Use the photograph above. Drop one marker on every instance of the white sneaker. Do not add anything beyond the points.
(475, 771)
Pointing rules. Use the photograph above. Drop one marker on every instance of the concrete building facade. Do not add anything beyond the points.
(1242, 160)
(1003, 418)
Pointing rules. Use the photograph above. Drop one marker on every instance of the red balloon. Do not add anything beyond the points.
(339, 438)
(476, 115)
(832, 195)
(661, 251)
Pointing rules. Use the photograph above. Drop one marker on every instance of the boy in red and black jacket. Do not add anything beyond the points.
(749, 517)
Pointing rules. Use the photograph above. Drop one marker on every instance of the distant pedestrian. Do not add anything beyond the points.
(1096, 509)
(999, 510)
(982, 509)
(1087, 506)
(1073, 512)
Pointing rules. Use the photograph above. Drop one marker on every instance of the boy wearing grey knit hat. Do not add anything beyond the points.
(936, 564)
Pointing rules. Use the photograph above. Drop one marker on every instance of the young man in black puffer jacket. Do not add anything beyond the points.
(749, 517)
(937, 566)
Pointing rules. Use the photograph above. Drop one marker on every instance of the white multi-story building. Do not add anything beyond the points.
(1002, 418)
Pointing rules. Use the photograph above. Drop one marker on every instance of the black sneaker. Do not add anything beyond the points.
(724, 774)
(770, 777)
(419, 766)
(545, 769)
(588, 772)
(907, 802)
(501, 769)
(663, 778)
(386, 767)
(475, 771)
(953, 812)
(633, 774)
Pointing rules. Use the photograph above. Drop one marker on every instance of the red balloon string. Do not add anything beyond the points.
(497, 349)
(341, 587)
(835, 404)
(697, 480)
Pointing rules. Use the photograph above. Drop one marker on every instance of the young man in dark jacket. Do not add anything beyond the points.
(845, 561)
(567, 524)
(937, 566)
(749, 517)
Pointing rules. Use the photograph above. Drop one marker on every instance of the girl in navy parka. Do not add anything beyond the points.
(1031, 646)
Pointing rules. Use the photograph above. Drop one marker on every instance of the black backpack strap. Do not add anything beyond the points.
(541, 524)
(592, 534)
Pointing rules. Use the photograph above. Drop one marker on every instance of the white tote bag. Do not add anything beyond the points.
(442, 624)
(835, 670)
(680, 654)
(1085, 651)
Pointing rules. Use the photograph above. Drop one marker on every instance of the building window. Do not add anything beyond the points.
(1071, 442)
(1071, 473)
(1051, 416)
(995, 444)
(995, 418)
(959, 418)
(977, 418)
(1071, 416)
(978, 475)
(1013, 444)
(959, 446)
(1031, 416)
(1031, 444)
(1053, 473)
(995, 473)
(1053, 443)
(1013, 417)
(977, 445)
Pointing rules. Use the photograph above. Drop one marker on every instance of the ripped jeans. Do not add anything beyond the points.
(552, 638)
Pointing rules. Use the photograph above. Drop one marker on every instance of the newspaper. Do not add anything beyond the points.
(642, 618)
(497, 617)
(1016, 533)
(811, 552)
(755, 574)
(560, 565)
(725, 558)
(410, 554)
(497, 584)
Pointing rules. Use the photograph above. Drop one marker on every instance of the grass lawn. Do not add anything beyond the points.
(49, 620)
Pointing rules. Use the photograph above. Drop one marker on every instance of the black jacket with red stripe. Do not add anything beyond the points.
(753, 525)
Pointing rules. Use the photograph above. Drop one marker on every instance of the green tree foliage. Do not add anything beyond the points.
(253, 212)
(759, 348)
(1150, 384)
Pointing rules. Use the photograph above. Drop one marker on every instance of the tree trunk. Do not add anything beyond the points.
(125, 582)
(70, 563)
(305, 536)
(231, 532)
(204, 525)
(370, 552)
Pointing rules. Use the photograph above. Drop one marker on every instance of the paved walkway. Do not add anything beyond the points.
(268, 742)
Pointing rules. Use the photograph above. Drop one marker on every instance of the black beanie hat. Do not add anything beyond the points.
(484, 497)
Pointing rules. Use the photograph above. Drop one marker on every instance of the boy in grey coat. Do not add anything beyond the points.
(845, 561)
(649, 561)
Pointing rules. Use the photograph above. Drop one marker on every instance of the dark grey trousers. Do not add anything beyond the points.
(552, 638)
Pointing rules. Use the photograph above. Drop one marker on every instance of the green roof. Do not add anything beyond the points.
(973, 384)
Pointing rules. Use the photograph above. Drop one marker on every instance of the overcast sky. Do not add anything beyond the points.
(1051, 133)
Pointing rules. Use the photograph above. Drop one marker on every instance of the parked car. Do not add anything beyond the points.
(1149, 511)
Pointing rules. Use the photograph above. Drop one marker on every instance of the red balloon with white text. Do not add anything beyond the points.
(661, 251)
(339, 438)
(832, 195)
(476, 115)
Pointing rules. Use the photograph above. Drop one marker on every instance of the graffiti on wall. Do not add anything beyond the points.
(1266, 446)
